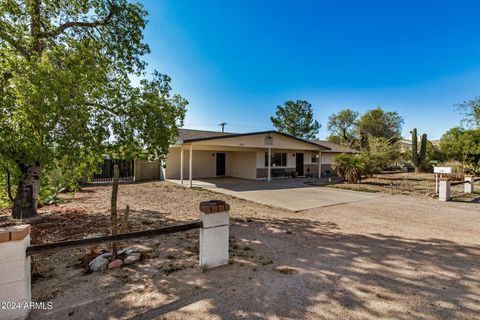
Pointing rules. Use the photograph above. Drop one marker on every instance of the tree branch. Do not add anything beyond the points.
(11, 41)
(72, 24)
(9, 185)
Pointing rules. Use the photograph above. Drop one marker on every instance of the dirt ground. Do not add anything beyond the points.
(398, 183)
(392, 257)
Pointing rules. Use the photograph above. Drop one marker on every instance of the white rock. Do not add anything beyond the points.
(99, 264)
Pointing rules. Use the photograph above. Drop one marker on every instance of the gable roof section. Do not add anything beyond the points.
(334, 147)
(197, 135)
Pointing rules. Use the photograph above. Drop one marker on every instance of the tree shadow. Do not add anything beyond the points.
(334, 275)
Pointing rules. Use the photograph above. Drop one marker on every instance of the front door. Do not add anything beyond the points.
(299, 163)
(220, 164)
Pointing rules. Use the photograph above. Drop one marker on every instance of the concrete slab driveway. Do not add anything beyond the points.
(290, 194)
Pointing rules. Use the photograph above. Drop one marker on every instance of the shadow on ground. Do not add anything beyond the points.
(303, 269)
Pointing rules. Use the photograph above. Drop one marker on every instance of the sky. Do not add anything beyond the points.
(235, 61)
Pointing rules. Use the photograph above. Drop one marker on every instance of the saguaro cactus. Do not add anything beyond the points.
(418, 159)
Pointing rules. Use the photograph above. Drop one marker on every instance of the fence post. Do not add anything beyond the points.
(215, 217)
(15, 286)
(469, 184)
(444, 190)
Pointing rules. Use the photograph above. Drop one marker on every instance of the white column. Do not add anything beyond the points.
(215, 217)
(190, 169)
(181, 164)
(469, 185)
(269, 174)
(319, 164)
(15, 285)
(444, 190)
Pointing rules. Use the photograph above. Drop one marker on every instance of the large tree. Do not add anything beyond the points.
(471, 112)
(464, 146)
(342, 127)
(296, 118)
(65, 90)
(379, 124)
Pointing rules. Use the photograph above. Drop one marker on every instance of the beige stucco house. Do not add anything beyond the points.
(205, 154)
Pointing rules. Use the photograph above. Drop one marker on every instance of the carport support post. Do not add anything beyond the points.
(15, 286)
(319, 164)
(444, 190)
(190, 173)
(269, 174)
(215, 217)
(181, 164)
(469, 185)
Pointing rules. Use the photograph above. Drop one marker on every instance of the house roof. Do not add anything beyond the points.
(188, 135)
(334, 147)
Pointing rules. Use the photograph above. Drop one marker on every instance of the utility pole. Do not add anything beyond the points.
(223, 124)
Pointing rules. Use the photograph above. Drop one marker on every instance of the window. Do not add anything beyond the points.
(314, 157)
(278, 159)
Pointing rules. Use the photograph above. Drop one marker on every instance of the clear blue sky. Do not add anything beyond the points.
(235, 61)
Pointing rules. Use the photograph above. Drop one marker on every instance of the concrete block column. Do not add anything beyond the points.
(215, 216)
(469, 185)
(444, 190)
(15, 285)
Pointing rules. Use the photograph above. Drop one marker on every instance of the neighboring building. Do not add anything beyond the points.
(208, 154)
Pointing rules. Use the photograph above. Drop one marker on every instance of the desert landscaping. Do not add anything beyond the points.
(395, 256)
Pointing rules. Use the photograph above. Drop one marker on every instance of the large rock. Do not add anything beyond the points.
(132, 258)
(115, 264)
(98, 264)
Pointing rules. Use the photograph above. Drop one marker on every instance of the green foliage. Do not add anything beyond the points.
(349, 167)
(342, 127)
(380, 155)
(462, 145)
(296, 119)
(378, 123)
(348, 129)
(418, 160)
(65, 90)
(471, 112)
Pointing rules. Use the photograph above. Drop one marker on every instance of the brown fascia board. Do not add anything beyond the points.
(252, 134)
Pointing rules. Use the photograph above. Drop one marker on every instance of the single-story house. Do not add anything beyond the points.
(209, 154)
(205, 154)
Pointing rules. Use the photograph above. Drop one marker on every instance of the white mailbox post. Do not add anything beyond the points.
(214, 234)
(440, 170)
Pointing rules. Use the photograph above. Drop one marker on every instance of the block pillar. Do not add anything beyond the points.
(444, 190)
(15, 284)
(215, 216)
(469, 185)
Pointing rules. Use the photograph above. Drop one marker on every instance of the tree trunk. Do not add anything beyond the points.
(9, 185)
(26, 201)
(417, 170)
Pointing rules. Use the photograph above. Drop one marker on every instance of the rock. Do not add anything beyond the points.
(98, 264)
(132, 258)
(115, 264)
(139, 248)
(106, 255)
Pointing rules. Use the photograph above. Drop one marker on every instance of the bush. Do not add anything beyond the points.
(349, 167)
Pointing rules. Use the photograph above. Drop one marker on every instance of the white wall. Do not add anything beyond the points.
(242, 164)
(203, 165)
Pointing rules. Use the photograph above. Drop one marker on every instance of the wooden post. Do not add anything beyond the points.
(113, 216)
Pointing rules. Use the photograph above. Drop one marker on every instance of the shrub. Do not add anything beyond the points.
(349, 167)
